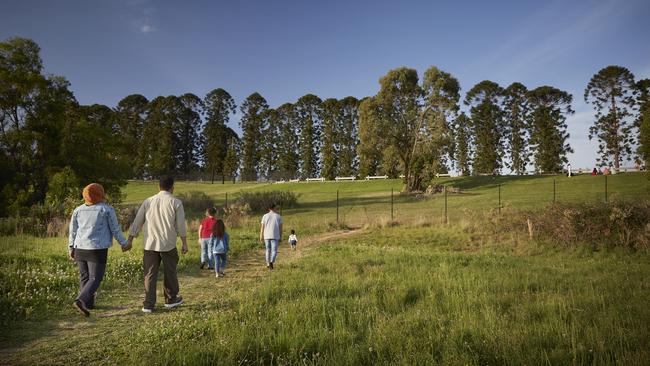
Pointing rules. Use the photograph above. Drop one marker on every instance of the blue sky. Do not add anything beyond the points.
(285, 49)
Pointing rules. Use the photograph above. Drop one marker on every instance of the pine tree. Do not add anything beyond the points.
(348, 137)
(231, 161)
(515, 107)
(131, 113)
(158, 136)
(332, 115)
(270, 145)
(612, 92)
(219, 105)
(309, 115)
(187, 133)
(252, 124)
(288, 160)
(548, 137)
(643, 120)
(487, 126)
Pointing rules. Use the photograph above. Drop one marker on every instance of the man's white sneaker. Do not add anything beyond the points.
(175, 303)
(147, 311)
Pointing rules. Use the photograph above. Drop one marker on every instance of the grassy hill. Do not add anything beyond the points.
(369, 202)
(415, 293)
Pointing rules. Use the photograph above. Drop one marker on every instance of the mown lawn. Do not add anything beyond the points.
(369, 202)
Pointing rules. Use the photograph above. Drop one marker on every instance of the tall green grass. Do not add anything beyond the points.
(400, 295)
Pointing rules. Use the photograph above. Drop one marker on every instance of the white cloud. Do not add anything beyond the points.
(146, 28)
(142, 16)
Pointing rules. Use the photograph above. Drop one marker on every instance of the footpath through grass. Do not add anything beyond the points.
(400, 295)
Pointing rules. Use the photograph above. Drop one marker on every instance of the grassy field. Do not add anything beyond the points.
(369, 202)
(416, 293)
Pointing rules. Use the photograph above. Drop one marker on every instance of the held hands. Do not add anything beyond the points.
(184, 248)
(71, 254)
(128, 246)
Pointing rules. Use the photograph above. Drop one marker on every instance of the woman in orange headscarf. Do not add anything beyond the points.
(92, 229)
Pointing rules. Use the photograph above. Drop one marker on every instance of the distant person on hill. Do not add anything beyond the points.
(163, 218)
(271, 234)
(219, 245)
(594, 172)
(293, 239)
(205, 232)
(606, 171)
(92, 229)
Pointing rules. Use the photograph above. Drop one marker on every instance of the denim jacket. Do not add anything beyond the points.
(215, 246)
(94, 227)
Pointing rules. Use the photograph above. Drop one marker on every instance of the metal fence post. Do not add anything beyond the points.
(553, 190)
(391, 204)
(606, 189)
(446, 217)
(337, 206)
(226, 205)
(499, 198)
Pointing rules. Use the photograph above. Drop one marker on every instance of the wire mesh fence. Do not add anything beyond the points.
(361, 203)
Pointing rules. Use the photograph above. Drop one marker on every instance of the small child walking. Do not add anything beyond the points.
(219, 244)
(293, 239)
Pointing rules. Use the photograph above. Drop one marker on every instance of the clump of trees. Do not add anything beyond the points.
(50, 145)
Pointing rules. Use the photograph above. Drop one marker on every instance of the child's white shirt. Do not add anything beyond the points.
(293, 237)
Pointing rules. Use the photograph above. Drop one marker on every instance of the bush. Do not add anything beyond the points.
(235, 214)
(195, 203)
(126, 215)
(615, 224)
(260, 201)
(32, 221)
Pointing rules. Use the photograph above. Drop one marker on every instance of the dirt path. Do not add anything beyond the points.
(197, 288)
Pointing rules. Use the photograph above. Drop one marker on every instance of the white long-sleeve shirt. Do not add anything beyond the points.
(162, 219)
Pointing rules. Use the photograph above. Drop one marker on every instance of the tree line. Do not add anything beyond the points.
(51, 145)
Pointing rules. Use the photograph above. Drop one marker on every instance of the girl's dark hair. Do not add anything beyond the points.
(293, 231)
(218, 229)
(212, 211)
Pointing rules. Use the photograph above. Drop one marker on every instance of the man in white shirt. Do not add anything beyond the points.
(271, 234)
(163, 219)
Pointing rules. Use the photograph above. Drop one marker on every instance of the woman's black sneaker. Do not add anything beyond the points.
(81, 307)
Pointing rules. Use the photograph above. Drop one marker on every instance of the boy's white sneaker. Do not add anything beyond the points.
(147, 311)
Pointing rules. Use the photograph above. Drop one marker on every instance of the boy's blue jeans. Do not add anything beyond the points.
(271, 250)
(219, 262)
(206, 254)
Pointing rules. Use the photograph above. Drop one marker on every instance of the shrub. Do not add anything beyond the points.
(126, 215)
(620, 224)
(195, 203)
(235, 214)
(260, 201)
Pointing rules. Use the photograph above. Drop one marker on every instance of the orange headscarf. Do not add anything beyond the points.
(93, 193)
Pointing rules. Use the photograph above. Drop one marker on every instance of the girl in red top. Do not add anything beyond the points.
(205, 232)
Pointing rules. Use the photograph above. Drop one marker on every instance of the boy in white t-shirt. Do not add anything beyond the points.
(271, 234)
(293, 239)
